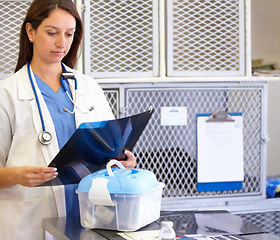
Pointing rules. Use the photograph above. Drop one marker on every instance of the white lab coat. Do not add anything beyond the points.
(23, 208)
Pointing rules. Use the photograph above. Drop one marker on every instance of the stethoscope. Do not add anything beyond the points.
(45, 137)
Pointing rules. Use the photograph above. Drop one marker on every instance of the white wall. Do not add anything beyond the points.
(266, 46)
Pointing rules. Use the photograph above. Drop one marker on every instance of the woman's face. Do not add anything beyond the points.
(53, 38)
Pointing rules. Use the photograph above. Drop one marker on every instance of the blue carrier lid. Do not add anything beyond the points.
(124, 181)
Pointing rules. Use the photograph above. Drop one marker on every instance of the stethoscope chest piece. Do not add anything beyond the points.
(45, 137)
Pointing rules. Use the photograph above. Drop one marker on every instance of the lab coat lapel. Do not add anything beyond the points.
(79, 99)
(25, 92)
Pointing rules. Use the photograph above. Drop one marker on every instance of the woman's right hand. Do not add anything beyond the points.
(33, 176)
(28, 176)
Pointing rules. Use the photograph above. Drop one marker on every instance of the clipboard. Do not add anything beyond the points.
(93, 144)
(220, 151)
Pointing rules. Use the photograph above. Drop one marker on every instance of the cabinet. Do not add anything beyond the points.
(205, 38)
(190, 53)
(149, 40)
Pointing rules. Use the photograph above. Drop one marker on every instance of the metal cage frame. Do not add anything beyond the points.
(179, 155)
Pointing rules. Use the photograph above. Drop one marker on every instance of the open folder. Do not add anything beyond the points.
(93, 144)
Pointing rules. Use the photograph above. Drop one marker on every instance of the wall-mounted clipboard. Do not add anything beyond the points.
(220, 151)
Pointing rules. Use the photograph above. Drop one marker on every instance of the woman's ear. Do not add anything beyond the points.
(30, 32)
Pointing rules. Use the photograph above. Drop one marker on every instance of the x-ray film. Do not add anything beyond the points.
(93, 144)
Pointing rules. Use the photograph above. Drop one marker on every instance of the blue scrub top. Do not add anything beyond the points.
(65, 126)
(64, 123)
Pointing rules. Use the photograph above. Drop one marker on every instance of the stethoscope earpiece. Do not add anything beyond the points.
(45, 137)
(68, 75)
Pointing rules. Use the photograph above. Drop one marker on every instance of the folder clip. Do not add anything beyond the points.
(220, 116)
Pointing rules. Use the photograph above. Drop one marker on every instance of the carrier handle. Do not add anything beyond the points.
(110, 164)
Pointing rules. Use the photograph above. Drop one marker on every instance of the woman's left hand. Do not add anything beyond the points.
(130, 162)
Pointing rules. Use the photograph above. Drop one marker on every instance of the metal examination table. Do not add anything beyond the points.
(206, 223)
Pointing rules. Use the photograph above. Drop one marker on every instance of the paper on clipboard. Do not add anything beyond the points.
(219, 153)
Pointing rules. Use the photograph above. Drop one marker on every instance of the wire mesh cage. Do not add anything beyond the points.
(11, 17)
(170, 151)
(121, 38)
(205, 38)
(269, 221)
(112, 96)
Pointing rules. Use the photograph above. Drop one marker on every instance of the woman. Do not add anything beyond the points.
(49, 40)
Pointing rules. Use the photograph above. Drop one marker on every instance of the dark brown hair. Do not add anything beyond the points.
(37, 12)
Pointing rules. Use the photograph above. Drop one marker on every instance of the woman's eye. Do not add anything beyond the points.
(51, 33)
(69, 34)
